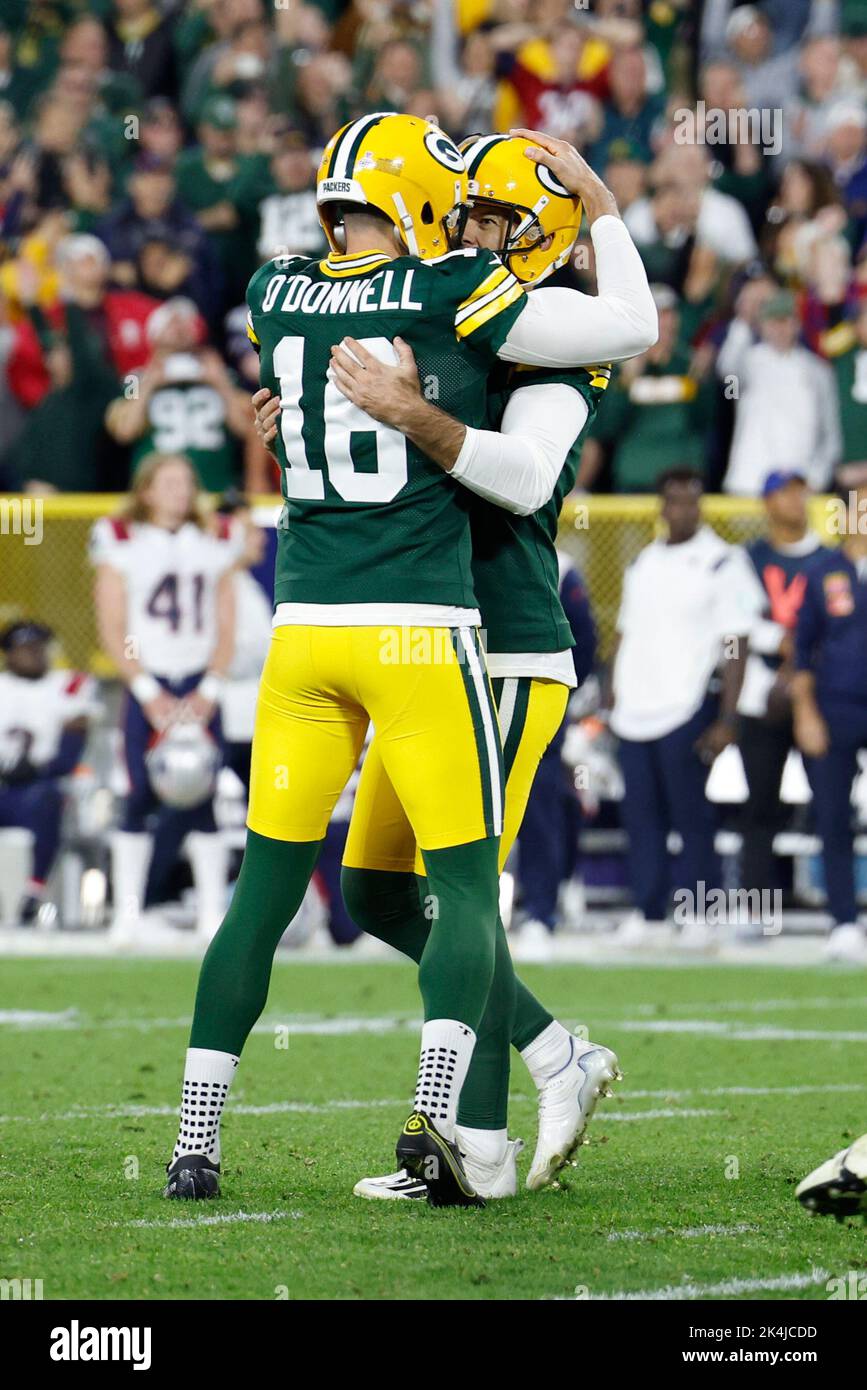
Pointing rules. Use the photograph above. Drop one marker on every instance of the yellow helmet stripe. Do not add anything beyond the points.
(345, 151)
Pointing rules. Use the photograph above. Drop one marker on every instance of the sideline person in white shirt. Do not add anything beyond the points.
(787, 414)
(687, 606)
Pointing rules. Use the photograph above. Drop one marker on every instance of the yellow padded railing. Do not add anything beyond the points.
(45, 573)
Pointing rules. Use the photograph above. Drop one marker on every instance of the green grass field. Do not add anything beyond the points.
(737, 1081)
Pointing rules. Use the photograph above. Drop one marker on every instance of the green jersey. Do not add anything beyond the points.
(370, 519)
(189, 417)
(849, 362)
(515, 564)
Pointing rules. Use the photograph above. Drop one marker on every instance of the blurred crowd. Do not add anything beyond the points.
(154, 152)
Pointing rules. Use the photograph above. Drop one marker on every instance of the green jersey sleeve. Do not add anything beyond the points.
(487, 297)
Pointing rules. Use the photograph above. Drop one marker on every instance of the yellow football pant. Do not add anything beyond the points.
(381, 831)
(427, 692)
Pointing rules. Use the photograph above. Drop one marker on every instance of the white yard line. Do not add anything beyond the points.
(754, 1006)
(144, 1112)
(603, 1117)
(725, 1288)
(293, 1025)
(226, 1220)
(685, 1233)
(839, 1087)
(298, 1107)
(39, 1018)
(741, 1032)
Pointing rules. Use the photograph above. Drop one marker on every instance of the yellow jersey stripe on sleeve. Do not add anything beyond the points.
(469, 308)
(494, 304)
(498, 276)
(251, 332)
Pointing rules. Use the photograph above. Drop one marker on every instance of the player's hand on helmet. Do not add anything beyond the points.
(267, 408)
(162, 710)
(572, 170)
(384, 390)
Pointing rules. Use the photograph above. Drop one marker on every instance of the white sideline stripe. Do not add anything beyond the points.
(296, 1025)
(143, 1112)
(726, 1288)
(756, 1006)
(839, 1087)
(742, 1032)
(228, 1219)
(300, 1107)
(685, 1233)
(618, 1115)
(39, 1018)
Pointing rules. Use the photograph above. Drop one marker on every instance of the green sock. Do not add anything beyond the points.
(530, 1017)
(457, 964)
(236, 970)
(484, 1101)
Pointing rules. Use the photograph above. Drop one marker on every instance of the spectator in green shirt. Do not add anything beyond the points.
(224, 190)
(846, 348)
(186, 401)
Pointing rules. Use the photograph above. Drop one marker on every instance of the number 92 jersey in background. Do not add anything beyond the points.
(369, 519)
(170, 579)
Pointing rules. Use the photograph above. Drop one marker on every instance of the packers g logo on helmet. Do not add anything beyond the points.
(542, 217)
(402, 166)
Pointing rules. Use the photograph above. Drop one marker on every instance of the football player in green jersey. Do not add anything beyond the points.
(375, 546)
(527, 637)
(532, 467)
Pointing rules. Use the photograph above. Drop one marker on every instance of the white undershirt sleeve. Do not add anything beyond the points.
(518, 466)
(564, 328)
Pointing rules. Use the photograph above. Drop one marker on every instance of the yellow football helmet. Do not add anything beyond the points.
(533, 199)
(402, 166)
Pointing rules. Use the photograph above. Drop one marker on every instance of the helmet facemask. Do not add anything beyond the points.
(522, 231)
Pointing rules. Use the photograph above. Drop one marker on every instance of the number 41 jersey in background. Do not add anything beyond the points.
(371, 525)
(170, 579)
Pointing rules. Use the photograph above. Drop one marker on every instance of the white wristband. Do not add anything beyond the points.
(145, 688)
(210, 687)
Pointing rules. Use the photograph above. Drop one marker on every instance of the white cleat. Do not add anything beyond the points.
(400, 1186)
(566, 1105)
(635, 932)
(491, 1180)
(838, 1187)
(846, 943)
(698, 937)
(534, 944)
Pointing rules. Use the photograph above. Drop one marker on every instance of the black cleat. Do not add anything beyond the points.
(436, 1162)
(192, 1177)
(28, 910)
(839, 1186)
